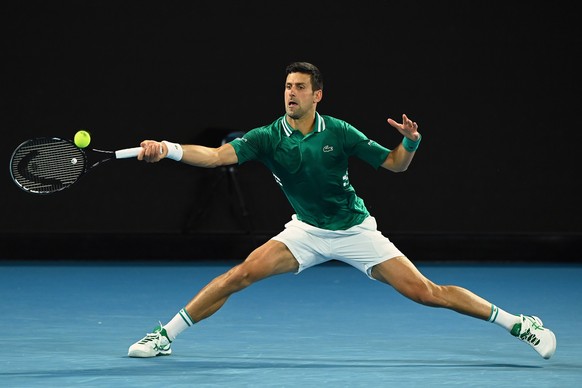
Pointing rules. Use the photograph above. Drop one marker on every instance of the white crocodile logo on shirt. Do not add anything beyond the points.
(327, 148)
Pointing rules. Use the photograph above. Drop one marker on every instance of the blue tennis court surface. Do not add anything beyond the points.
(71, 324)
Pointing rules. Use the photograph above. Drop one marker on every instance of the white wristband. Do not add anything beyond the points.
(175, 151)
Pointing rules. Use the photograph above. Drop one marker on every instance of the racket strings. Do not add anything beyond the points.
(47, 165)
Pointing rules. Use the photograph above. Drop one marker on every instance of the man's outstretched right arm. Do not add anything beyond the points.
(194, 155)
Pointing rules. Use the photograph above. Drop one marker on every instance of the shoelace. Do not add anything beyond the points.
(528, 336)
(149, 337)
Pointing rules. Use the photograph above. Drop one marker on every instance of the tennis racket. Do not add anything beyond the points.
(46, 165)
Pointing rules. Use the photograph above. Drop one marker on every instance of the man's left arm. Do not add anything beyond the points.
(400, 157)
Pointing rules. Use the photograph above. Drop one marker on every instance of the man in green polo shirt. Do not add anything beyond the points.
(321, 197)
(308, 155)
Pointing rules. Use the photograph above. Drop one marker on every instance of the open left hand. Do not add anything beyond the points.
(408, 127)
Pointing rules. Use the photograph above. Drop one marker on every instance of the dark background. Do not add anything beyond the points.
(494, 86)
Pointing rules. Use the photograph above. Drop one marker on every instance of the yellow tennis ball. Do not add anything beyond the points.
(82, 139)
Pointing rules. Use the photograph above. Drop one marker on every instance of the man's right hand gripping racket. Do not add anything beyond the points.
(49, 164)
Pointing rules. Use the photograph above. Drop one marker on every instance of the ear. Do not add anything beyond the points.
(317, 96)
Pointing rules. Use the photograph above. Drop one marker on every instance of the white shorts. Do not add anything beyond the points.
(361, 246)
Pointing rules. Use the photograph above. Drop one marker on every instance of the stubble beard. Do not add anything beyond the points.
(295, 114)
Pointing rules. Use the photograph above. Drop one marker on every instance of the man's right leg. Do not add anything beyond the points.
(271, 258)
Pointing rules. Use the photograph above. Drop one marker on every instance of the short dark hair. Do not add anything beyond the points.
(307, 68)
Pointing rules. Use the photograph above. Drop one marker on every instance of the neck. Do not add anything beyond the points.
(304, 124)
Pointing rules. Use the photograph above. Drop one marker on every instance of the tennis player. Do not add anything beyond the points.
(308, 154)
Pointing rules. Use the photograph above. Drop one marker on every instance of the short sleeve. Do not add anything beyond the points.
(359, 145)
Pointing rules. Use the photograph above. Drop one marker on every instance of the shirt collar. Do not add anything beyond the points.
(288, 129)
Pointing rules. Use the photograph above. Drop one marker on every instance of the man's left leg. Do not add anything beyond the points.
(402, 274)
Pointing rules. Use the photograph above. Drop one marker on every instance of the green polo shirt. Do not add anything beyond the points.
(312, 170)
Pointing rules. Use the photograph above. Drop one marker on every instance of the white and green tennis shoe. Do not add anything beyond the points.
(531, 330)
(152, 345)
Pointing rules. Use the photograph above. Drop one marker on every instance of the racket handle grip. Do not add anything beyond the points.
(127, 153)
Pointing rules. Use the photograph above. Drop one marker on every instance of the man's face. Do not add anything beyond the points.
(299, 96)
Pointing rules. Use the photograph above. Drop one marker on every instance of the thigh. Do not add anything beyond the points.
(271, 258)
(400, 273)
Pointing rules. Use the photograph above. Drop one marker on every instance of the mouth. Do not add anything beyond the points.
(292, 104)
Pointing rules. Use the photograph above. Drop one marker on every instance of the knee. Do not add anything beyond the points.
(240, 277)
(426, 293)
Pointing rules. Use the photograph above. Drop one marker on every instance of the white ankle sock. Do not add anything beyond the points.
(178, 324)
(503, 318)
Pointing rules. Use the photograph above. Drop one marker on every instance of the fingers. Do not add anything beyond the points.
(408, 127)
(393, 123)
(409, 124)
(152, 151)
(406, 123)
